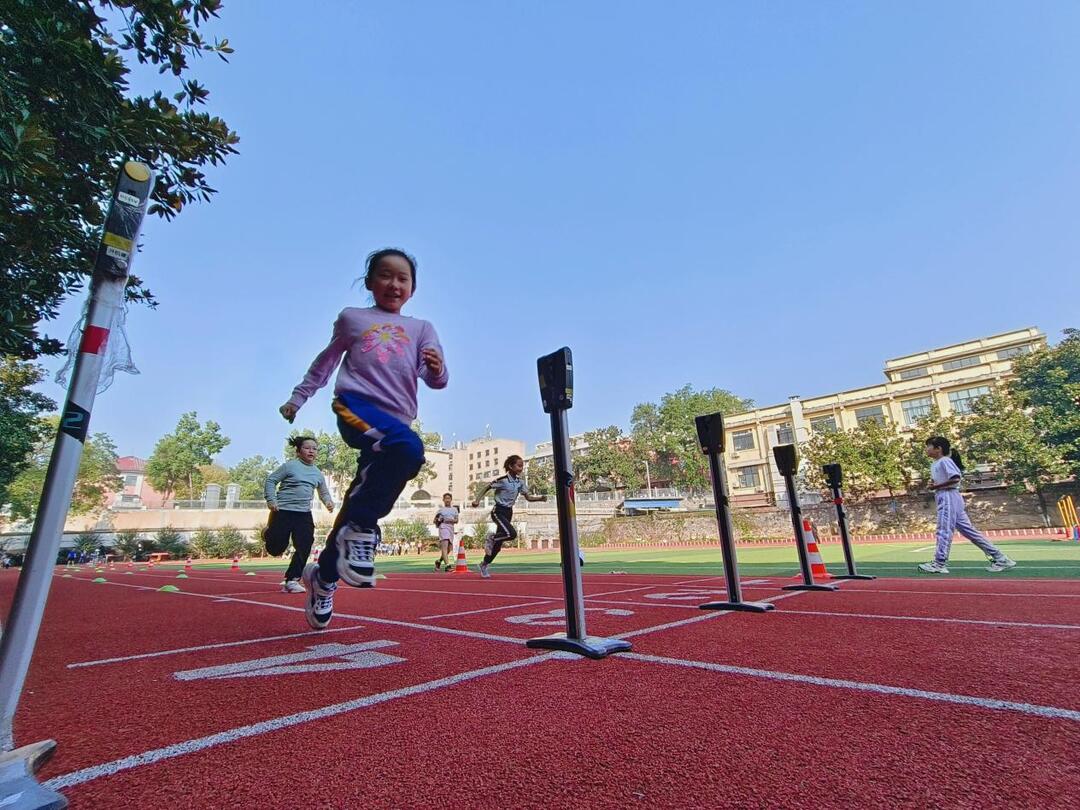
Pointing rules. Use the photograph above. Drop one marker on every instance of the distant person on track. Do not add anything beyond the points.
(507, 488)
(379, 354)
(289, 490)
(946, 472)
(445, 520)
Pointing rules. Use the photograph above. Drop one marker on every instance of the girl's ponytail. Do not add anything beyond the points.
(954, 454)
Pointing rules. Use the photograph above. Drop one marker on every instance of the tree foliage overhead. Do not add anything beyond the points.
(1048, 381)
(609, 462)
(21, 426)
(179, 457)
(67, 120)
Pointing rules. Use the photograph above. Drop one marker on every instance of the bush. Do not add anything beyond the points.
(204, 544)
(126, 544)
(171, 541)
(230, 542)
(406, 531)
(87, 542)
(480, 531)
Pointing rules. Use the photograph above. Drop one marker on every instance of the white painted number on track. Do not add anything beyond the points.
(697, 594)
(557, 616)
(352, 656)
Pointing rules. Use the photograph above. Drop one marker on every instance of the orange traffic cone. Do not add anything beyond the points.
(150, 563)
(817, 565)
(187, 564)
(235, 564)
(460, 566)
(130, 564)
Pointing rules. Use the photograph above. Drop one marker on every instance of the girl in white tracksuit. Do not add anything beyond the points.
(946, 472)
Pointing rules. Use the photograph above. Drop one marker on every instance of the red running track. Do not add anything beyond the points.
(940, 692)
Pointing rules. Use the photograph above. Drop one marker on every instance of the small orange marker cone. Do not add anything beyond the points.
(187, 565)
(460, 566)
(235, 564)
(149, 563)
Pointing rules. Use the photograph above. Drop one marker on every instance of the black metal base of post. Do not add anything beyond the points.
(817, 586)
(590, 646)
(745, 607)
(852, 576)
(18, 788)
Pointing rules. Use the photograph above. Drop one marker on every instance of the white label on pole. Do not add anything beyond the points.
(116, 253)
(128, 199)
(351, 656)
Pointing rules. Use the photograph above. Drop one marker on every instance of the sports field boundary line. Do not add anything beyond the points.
(1032, 709)
(970, 593)
(942, 619)
(276, 724)
(545, 603)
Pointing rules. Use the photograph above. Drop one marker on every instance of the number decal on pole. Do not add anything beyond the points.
(75, 422)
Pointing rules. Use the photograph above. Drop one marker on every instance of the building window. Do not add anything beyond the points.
(963, 399)
(963, 362)
(1015, 351)
(747, 478)
(913, 373)
(872, 414)
(785, 434)
(742, 440)
(487, 452)
(916, 409)
(823, 424)
(131, 480)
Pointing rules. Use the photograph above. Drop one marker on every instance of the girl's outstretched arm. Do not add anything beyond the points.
(321, 368)
(431, 363)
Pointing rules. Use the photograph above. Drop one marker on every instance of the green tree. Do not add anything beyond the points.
(1002, 433)
(97, 476)
(68, 117)
(406, 531)
(87, 543)
(21, 426)
(229, 542)
(170, 541)
(250, 475)
(608, 462)
(178, 456)
(540, 476)
(204, 544)
(480, 531)
(873, 456)
(1048, 382)
(126, 544)
(933, 424)
(664, 433)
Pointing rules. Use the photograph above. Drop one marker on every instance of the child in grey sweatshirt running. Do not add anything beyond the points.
(288, 492)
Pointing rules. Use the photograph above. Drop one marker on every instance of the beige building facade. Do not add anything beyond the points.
(951, 377)
(459, 467)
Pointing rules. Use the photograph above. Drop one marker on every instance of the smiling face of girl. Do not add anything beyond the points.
(306, 452)
(391, 283)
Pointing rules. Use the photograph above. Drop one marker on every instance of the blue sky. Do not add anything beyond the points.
(769, 198)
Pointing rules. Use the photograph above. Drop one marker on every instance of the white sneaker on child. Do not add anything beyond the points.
(934, 567)
(484, 571)
(319, 607)
(1004, 564)
(292, 586)
(356, 555)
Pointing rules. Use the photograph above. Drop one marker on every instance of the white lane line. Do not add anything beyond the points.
(933, 619)
(975, 593)
(1036, 710)
(222, 645)
(706, 615)
(202, 743)
(484, 610)
(921, 549)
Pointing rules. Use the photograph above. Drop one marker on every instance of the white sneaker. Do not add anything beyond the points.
(934, 567)
(356, 555)
(293, 586)
(319, 607)
(1004, 564)
(484, 571)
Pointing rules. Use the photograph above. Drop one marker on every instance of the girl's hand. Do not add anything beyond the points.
(288, 410)
(329, 507)
(272, 507)
(433, 360)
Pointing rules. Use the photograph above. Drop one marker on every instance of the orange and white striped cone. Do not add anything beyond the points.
(817, 565)
(130, 564)
(187, 565)
(460, 566)
(150, 563)
(235, 564)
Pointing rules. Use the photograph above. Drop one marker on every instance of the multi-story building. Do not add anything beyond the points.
(459, 467)
(136, 492)
(951, 378)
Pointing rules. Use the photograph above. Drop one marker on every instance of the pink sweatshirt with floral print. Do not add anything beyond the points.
(381, 361)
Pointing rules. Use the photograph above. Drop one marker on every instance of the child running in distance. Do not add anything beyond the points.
(507, 488)
(288, 492)
(379, 354)
(946, 472)
(445, 519)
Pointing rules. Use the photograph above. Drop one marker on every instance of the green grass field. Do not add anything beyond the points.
(1036, 558)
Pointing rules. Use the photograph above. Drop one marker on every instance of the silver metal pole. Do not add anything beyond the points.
(115, 255)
